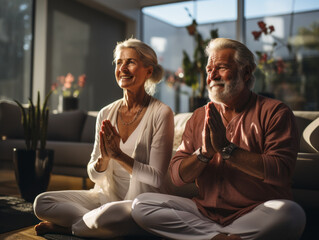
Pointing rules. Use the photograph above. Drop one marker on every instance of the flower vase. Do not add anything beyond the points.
(70, 103)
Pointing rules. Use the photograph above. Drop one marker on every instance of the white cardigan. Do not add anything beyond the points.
(152, 152)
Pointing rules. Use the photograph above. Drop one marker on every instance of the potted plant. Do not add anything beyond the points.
(33, 165)
(195, 70)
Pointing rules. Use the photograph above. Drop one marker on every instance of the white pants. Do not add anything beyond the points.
(82, 212)
(179, 218)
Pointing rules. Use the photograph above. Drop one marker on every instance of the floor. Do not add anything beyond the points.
(8, 186)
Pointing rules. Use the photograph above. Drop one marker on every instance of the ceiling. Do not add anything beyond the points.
(144, 3)
(134, 4)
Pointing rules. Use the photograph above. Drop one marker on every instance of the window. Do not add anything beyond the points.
(164, 29)
(287, 57)
(16, 26)
(81, 41)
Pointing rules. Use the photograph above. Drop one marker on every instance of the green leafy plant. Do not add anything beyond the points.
(35, 122)
(195, 70)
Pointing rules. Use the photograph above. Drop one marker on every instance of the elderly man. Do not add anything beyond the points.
(240, 150)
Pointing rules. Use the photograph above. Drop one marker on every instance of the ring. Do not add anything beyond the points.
(108, 138)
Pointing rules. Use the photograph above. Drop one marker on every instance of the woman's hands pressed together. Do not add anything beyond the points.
(109, 145)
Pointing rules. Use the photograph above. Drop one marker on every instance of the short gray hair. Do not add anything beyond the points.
(147, 56)
(243, 56)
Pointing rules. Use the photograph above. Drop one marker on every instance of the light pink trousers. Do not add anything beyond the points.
(85, 215)
(179, 218)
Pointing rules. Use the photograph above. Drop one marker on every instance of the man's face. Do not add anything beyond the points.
(224, 80)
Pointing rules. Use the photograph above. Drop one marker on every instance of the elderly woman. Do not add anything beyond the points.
(132, 149)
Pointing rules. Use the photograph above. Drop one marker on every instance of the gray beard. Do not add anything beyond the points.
(231, 89)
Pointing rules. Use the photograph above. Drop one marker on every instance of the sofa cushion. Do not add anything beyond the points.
(180, 121)
(303, 119)
(311, 137)
(88, 133)
(66, 126)
(10, 120)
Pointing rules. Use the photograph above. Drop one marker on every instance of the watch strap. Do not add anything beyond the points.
(200, 156)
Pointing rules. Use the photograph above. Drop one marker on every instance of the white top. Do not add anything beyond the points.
(121, 177)
(152, 150)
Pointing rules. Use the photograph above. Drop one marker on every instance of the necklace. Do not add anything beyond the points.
(136, 114)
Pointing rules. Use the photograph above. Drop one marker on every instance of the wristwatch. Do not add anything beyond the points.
(201, 157)
(228, 150)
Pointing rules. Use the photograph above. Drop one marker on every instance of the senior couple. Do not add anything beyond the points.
(240, 150)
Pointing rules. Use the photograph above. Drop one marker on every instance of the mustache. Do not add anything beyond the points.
(216, 83)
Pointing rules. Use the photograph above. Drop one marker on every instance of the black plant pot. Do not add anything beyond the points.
(197, 102)
(32, 171)
(70, 103)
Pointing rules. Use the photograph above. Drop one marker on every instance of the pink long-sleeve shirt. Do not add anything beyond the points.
(266, 126)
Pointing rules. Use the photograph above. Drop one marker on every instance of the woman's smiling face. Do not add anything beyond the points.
(130, 72)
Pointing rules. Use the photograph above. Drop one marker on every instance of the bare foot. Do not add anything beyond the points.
(48, 227)
(225, 237)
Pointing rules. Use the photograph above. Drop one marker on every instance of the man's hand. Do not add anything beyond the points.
(207, 149)
(217, 129)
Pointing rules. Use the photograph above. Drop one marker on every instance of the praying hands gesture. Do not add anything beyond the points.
(214, 131)
(109, 145)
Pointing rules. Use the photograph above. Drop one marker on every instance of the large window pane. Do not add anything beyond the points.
(287, 56)
(164, 29)
(81, 41)
(15, 49)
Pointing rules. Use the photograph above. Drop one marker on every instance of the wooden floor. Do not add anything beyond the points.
(8, 186)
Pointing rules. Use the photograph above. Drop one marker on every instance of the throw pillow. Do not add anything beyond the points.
(310, 136)
(66, 126)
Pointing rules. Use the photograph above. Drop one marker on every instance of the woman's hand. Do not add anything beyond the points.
(111, 140)
(109, 145)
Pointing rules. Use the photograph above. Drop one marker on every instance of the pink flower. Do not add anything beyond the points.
(256, 34)
(263, 58)
(280, 64)
(66, 85)
(82, 80)
(54, 86)
(262, 25)
(69, 78)
(271, 29)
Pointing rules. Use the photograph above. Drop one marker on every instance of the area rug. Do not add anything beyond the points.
(68, 237)
(15, 213)
(51, 236)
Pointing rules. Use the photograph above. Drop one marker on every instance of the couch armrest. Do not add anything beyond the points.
(306, 172)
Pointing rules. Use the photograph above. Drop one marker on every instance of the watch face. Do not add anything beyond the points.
(225, 153)
(228, 150)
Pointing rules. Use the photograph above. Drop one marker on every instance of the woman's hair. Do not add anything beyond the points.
(243, 56)
(147, 56)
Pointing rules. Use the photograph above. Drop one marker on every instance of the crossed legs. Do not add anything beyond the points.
(80, 213)
(178, 218)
